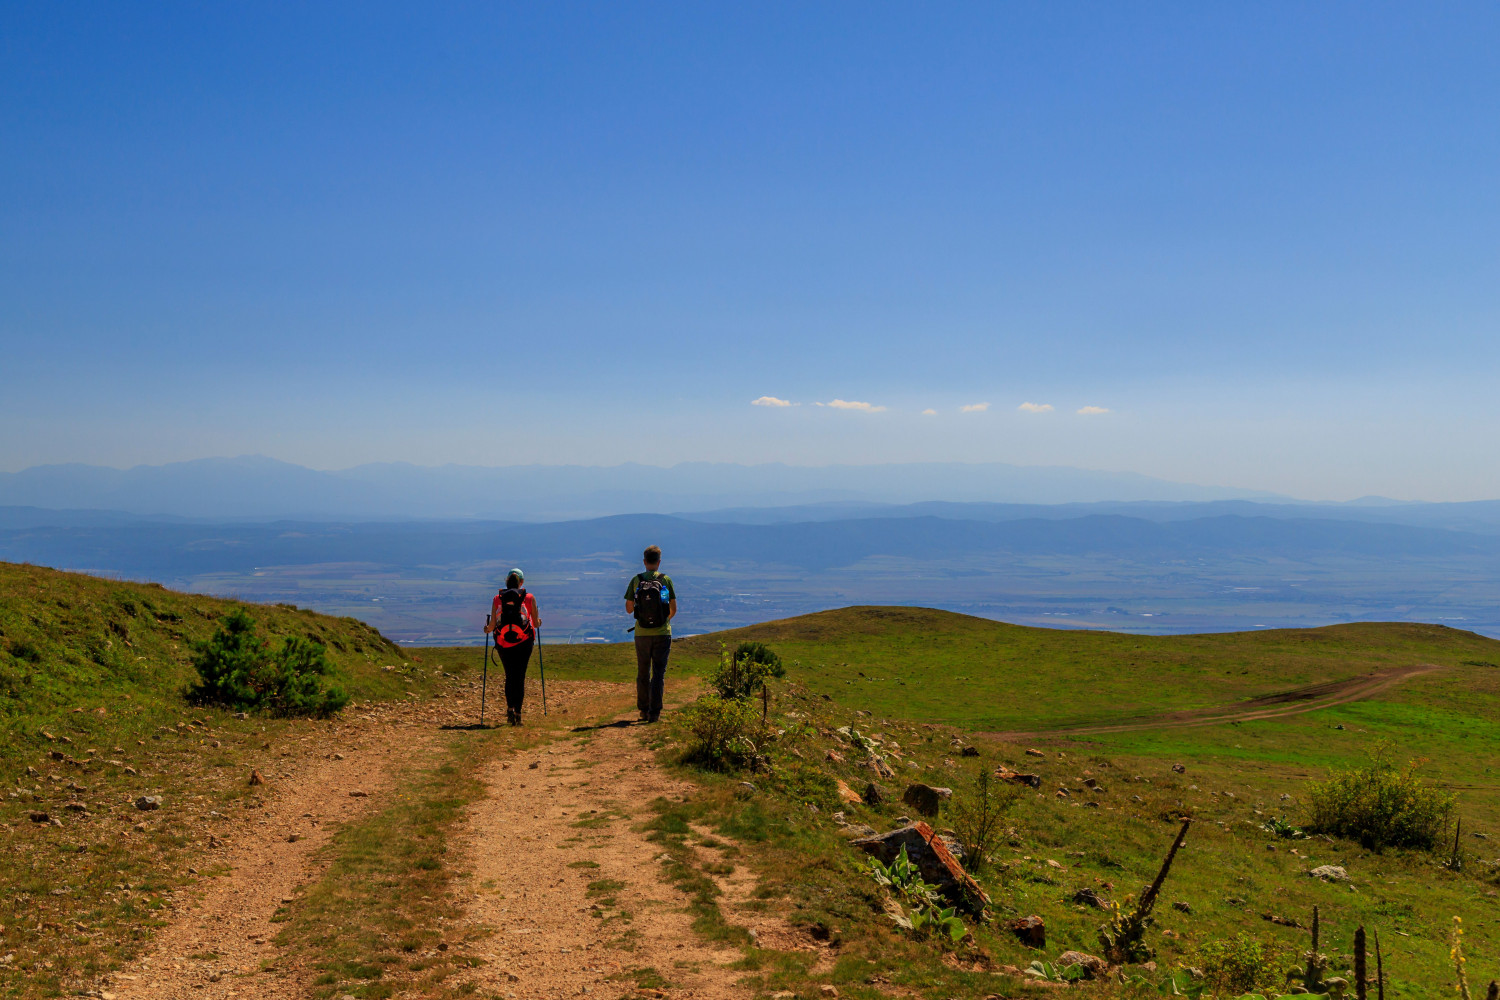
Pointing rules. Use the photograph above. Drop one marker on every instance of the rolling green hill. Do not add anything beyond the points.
(938, 666)
(70, 641)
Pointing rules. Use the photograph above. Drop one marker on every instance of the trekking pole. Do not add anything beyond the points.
(542, 666)
(484, 681)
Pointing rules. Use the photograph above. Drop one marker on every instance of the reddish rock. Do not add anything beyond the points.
(848, 794)
(1031, 931)
(932, 858)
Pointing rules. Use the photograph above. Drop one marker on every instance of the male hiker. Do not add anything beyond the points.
(651, 598)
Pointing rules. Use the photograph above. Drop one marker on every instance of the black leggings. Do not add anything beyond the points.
(515, 660)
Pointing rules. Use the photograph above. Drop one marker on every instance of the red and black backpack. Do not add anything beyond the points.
(514, 626)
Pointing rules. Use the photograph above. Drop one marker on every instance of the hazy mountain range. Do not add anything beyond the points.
(416, 551)
(257, 487)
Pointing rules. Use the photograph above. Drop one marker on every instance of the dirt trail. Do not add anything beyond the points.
(229, 917)
(558, 930)
(570, 884)
(1296, 702)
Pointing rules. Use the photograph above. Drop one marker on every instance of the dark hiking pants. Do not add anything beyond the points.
(514, 660)
(651, 653)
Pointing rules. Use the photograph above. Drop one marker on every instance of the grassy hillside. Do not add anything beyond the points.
(71, 641)
(91, 716)
(981, 674)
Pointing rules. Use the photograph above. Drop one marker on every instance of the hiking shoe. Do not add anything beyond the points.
(655, 717)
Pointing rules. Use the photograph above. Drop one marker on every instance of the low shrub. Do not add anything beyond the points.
(1242, 965)
(237, 669)
(744, 673)
(1380, 805)
(725, 734)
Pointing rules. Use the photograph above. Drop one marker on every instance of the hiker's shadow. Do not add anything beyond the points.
(617, 724)
(469, 727)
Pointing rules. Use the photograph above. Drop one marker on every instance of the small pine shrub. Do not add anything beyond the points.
(1380, 805)
(725, 734)
(742, 674)
(237, 669)
(1242, 965)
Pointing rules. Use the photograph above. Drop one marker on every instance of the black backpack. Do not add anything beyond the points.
(514, 626)
(652, 601)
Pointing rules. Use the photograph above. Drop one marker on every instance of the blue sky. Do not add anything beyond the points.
(1263, 237)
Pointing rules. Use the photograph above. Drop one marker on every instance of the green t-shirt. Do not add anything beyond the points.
(670, 595)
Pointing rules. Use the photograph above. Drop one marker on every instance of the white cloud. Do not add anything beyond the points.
(929, 412)
(1035, 407)
(849, 404)
(974, 408)
(1090, 411)
(770, 401)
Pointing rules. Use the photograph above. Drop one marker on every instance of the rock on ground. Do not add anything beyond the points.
(933, 859)
(926, 799)
(1093, 966)
(1030, 931)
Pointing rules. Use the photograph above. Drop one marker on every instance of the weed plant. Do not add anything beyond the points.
(976, 814)
(921, 909)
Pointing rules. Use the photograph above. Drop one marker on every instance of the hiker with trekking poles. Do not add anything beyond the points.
(516, 628)
(651, 598)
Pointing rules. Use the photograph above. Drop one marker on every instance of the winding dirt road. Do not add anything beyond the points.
(1273, 706)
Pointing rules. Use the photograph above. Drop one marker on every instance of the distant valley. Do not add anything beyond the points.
(1143, 567)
